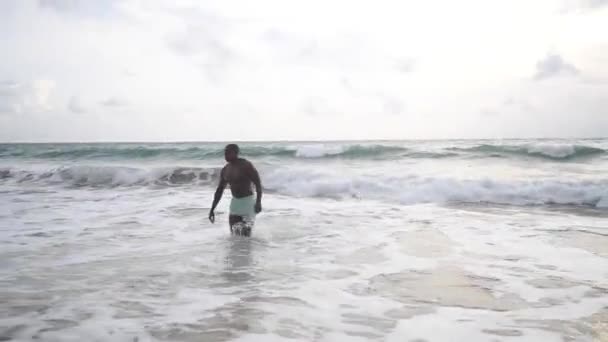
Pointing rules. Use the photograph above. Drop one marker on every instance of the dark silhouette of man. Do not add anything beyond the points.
(239, 173)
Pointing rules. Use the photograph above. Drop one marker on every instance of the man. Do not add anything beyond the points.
(239, 173)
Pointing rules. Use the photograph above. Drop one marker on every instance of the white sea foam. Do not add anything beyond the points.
(318, 150)
(320, 182)
(411, 189)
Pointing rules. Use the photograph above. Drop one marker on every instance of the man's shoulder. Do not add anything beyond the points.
(245, 162)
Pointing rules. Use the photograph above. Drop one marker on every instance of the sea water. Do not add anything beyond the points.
(489, 240)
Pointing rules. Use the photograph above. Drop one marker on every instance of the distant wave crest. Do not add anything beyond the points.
(126, 152)
(551, 151)
(76, 152)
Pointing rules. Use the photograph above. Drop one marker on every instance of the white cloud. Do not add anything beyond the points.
(488, 112)
(595, 4)
(564, 107)
(61, 5)
(83, 8)
(583, 6)
(115, 101)
(32, 97)
(394, 106)
(316, 107)
(9, 97)
(9, 89)
(554, 65)
(41, 91)
(75, 105)
(406, 65)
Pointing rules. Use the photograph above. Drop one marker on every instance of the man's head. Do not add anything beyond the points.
(231, 152)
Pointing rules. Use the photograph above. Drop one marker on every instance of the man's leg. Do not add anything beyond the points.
(233, 220)
(239, 226)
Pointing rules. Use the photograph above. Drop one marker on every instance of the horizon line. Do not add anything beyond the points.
(284, 140)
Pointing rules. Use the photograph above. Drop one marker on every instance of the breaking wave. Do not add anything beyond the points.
(299, 182)
(113, 176)
(412, 189)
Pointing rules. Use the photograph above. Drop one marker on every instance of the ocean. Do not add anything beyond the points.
(454, 240)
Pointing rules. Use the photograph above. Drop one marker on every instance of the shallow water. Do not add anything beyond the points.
(142, 263)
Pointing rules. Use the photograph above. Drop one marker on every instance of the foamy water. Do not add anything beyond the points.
(399, 241)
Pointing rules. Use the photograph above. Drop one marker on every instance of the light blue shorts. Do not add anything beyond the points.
(243, 206)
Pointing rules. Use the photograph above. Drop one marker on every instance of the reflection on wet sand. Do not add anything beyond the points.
(238, 263)
(240, 316)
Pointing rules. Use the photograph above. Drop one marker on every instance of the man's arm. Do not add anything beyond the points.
(255, 178)
(217, 196)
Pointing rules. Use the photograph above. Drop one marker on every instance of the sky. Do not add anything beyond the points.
(135, 70)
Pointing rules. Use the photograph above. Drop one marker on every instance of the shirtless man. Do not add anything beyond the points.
(239, 173)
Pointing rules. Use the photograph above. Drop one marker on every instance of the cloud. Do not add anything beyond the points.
(293, 48)
(75, 105)
(350, 88)
(129, 73)
(60, 5)
(192, 43)
(315, 106)
(35, 96)
(393, 106)
(96, 9)
(203, 41)
(488, 112)
(335, 51)
(518, 104)
(554, 65)
(9, 92)
(595, 3)
(521, 103)
(8, 88)
(581, 6)
(406, 65)
(114, 101)
(274, 35)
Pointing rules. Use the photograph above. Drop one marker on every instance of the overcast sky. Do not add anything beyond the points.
(127, 70)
